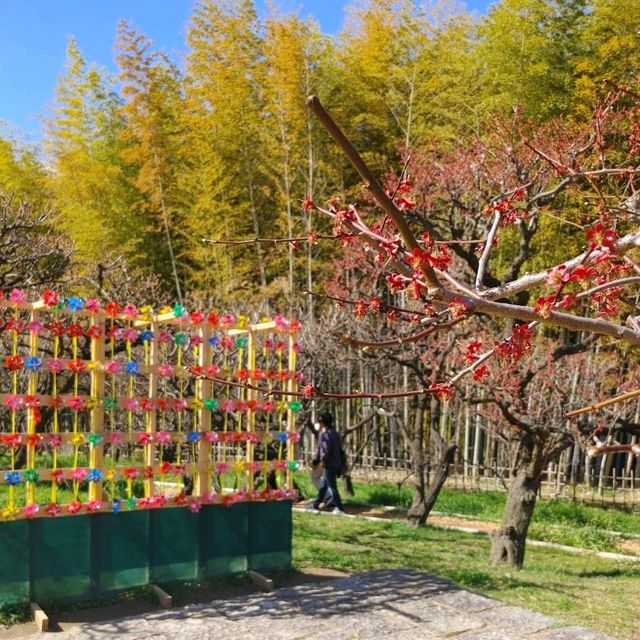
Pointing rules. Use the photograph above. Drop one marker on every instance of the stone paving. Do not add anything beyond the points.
(398, 604)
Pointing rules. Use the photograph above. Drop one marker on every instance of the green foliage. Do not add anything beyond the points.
(528, 51)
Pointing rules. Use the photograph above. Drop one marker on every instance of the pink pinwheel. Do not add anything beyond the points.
(130, 334)
(113, 367)
(54, 440)
(163, 437)
(17, 296)
(294, 436)
(76, 403)
(93, 506)
(195, 506)
(157, 501)
(54, 365)
(165, 370)
(30, 510)
(228, 405)
(35, 327)
(227, 321)
(130, 404)
(92, 305)
(164, 337)
(179, 404)
(212, 370)
(12, 401)
(222, 467)
(211, 436)
(131, 311)
(115, 438)
(78, 475)
(282, 324)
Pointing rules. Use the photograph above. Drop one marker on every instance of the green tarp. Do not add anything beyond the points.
(80, 557)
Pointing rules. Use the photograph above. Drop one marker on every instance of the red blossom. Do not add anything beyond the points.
(360, 309)
(472, 351)
(480, 374)
(375, 304)
(443, 391)
(601, 236)
(513, 348)
(458, 308)
(308, 391)
(307, 205)
(544, 305)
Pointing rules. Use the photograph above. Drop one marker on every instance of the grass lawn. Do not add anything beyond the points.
(560, 521)
(597, 593)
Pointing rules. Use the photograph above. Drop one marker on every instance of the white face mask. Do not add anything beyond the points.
(316, 426)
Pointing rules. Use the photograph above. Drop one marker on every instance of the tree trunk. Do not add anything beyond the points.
(423, 500)
(420, 509)
(508, 542)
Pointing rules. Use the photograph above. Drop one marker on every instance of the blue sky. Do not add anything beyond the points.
(33, 35)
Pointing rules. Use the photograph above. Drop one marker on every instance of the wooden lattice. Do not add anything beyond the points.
(99, 405)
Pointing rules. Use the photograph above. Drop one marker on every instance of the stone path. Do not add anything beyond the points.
(399, 604)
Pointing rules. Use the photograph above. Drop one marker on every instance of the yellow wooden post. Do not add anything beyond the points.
(152, 420)
(291, 415)
(202, 393)
(31, 423)
(97, 409)
(251, 395)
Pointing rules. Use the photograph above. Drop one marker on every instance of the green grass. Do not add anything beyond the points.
(559, 521)
(585, 590)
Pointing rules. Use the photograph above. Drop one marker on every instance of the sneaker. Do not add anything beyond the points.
(337, 512)
(311, 507)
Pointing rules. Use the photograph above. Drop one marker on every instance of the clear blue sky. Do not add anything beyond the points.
(33, 35)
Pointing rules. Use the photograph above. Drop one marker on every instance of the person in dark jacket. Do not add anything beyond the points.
(328, 454)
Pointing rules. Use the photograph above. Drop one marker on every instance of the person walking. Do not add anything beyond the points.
(328, 455)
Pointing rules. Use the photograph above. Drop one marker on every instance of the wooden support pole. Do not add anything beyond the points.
(203, 392)
(165, 600)
(97, 410)
(152, 423)
(266, 584)
(40, 618)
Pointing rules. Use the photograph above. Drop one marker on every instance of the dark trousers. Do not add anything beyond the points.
(329, 483)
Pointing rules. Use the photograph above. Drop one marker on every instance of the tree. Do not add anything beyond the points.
(294, 55)
(591, 283)
(152, 140)
(610, 50)
(90, 187)
(224, 117)
(529, 50)
(32, 254)
(21, 174)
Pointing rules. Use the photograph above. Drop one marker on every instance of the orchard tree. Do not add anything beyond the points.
(584, 179)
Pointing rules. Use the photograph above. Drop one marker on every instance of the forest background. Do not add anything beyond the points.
(223, 146)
